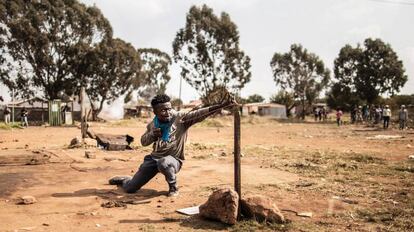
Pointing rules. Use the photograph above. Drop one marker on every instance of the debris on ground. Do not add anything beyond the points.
(190, 210)
(114, 142)
(123, 203)
(304, 214)
(26, 200)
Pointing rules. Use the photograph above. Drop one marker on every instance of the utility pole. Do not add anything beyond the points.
(83, 113)
(12, 106)
(179, 93)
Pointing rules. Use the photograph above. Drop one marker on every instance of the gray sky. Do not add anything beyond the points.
(266, 27)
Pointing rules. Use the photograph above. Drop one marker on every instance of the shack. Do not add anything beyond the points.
(264, 109)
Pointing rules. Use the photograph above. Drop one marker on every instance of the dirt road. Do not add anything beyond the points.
(303, 167)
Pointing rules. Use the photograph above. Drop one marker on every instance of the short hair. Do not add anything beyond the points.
(160, 98)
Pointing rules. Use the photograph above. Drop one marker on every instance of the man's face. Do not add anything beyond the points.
(163, 111)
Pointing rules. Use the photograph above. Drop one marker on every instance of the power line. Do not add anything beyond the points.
(394, 2)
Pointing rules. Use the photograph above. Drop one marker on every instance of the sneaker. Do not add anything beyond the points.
(118, 180)
(173, 192)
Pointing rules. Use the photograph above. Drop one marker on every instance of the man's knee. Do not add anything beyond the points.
(166, 164)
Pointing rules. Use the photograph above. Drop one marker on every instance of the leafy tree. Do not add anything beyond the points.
(114, 64)
(176, 102)
(340, 96)
(207, 50)
(369, 70)
(284, 98)
(42, 43)
(301, 74)
(254, 98)
(154, 73)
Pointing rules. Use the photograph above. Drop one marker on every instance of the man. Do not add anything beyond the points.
(23, 117)
(167, 133)
(338, 116)
(386, 115)
(403, 117)
(6, 115)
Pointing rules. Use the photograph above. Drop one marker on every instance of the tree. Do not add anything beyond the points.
(284, 98)
(42, 43)
(154, 72)
(207, 50)
(114, 64)
(341, 96)
(254, 98)
(369, 70)
(301, 74)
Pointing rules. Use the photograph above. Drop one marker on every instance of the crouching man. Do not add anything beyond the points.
(167, 133)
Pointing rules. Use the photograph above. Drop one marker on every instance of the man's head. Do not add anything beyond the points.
(161, 106)
(403, 106)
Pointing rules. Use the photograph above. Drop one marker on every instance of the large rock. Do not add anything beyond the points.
(222, 205)
(261, 208)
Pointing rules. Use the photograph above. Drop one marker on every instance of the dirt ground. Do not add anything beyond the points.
(349, 179)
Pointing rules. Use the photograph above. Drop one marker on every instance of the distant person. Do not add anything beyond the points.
(23, 117)
(6, 115)
(353, 114)
(403, 117)
(359, 114)
(167, 134)
(339, 116)
(386, 116)
(316, 113)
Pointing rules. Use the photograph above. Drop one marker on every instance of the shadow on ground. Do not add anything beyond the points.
(110, 194)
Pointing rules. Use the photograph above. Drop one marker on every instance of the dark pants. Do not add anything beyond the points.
(168, 166)
(386, 121)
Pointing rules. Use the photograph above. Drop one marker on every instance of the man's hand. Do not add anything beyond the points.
(156, 133)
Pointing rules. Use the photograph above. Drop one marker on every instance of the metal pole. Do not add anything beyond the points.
(12, 106)
(237, 161)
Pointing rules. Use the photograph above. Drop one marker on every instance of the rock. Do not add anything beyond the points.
(89, 142)
(26, 200)
(75, 142)
(411, 157)
(409, 146)
(90, 155)
(222, 205)
(261, 208)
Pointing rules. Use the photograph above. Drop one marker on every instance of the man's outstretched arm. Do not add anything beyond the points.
(199, 115)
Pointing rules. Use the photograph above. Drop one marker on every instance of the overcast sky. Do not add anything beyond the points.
(269, 26)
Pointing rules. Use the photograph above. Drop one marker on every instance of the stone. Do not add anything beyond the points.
(90, 155)
(89, 142)
(261, 208)
(75, 142)
(411, 157)
(26, 200)
(222, 205)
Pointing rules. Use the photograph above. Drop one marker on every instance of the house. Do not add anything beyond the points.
(38, 110)
(264, 109)
(135, 110)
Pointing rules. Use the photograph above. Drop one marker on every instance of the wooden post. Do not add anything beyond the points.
(83, 113)
(237, 161)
